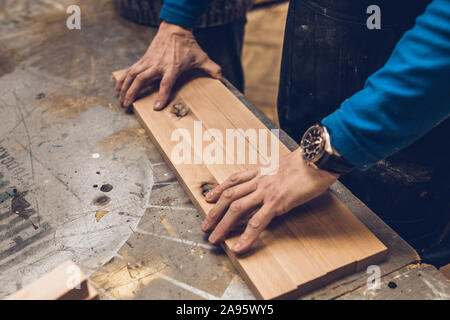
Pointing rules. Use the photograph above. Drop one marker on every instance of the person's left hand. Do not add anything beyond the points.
(294, 183)
(173, 51)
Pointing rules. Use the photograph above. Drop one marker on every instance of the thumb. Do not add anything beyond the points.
(212, 68)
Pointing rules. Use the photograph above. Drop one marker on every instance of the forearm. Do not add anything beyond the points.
(404, 99)
(184, 13)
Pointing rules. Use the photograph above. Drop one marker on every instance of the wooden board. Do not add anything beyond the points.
(65, 282)
(302, 250)
(446, 270)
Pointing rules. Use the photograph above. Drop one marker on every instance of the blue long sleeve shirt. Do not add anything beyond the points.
(399, 103)
(183, 13)
(404, 99)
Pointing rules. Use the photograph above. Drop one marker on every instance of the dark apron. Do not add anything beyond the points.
(328, 54)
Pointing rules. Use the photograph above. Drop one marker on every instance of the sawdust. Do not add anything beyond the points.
(123, 278)
(100, 214)
(168, 226)
(70, 106)
(134, 137)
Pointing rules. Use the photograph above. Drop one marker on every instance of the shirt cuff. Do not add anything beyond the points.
(178, 17)
(346, 142)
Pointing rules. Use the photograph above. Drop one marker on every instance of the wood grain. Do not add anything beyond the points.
(302, 250)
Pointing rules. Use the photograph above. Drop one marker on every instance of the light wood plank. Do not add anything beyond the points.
(65, 282)
(306, 248)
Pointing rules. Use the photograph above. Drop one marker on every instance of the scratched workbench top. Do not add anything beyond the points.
(80, 179)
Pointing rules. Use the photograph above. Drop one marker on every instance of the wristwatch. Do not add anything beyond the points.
(317, 151)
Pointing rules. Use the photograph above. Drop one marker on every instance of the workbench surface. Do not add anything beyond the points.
(80, 179)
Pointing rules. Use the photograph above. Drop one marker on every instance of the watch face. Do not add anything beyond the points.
(313, 143)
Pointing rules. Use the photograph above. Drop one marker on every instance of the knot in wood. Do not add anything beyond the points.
(180, 110)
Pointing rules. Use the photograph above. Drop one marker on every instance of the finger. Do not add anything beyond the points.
(165, 87)
(236, 211)
(125, 85)
(121, 80)
(255, 226)
(131, 75)
(233, 180)
(228, 196)
(212, 68)
(139, 82)
(124, 75)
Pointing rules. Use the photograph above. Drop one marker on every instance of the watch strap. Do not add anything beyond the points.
(334, 164)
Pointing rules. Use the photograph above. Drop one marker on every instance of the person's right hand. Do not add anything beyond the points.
(172, 51)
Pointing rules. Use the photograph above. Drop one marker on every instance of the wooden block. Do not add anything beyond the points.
(446, 270)
(66, 282)
(302, 250)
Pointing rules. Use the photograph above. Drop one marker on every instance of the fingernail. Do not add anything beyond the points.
(204, 225)
(212, 238)
(209, 195)
(237, 246)
(157, 105)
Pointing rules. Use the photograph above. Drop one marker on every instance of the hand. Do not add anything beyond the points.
(294, 183)
(172, 51)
